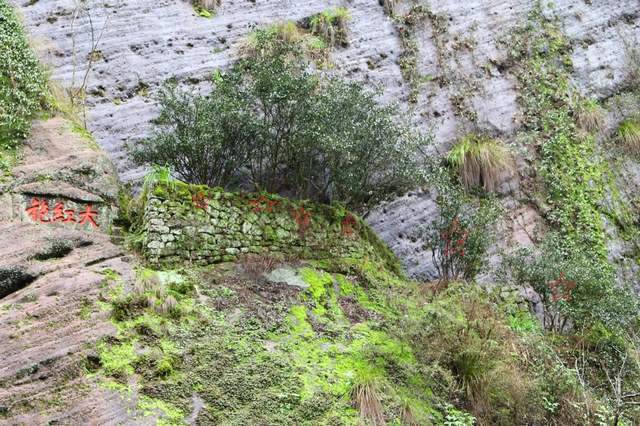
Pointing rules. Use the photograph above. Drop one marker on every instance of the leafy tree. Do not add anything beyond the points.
(272, 122)
(204, 140)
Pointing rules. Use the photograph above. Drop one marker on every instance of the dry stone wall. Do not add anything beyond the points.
(201, 225)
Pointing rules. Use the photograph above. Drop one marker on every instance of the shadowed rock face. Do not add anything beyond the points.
(459, 55)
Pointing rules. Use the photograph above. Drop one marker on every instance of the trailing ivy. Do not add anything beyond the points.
(573, 173)
(23, 84)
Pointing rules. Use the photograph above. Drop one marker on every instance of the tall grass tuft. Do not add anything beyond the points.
(331, 25)
(480, 161)
(366, 397)
(590, 116)
(629, 135)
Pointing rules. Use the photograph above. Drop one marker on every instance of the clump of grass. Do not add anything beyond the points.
(590, 116)
(257, 43)
(261, 42)
(629, 135)
(255, 265)
(389, 6)
(480, 161)
(331, 26)
(168, 307)
(366, 397)
(206, 8)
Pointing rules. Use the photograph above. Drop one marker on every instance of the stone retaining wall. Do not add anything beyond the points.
(202, 225)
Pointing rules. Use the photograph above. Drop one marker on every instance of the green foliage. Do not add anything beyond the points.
(331, 26)
(467, 350)
(407, 24)
(203, 139)
(267, 41)
(23, 85)
(456, 417)
(280, 358)
(480, 161)
(461, 234)
(571, 170)
(118, 360)
(294, 132)
(629, 135)
(573, 285)
(206, 8)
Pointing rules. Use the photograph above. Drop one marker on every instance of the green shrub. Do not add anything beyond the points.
(274, 124)
(462, 331)
(23, 84)
(574, 286)
(459, 237)
(629, 135)
(480, 161)
(204, 140)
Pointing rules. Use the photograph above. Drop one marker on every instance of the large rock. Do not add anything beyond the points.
(52, 274)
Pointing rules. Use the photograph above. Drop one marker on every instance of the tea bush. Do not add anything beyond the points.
(272, 125)
(23, 84)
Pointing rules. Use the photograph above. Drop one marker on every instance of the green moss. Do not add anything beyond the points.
(118, 360)
(168, 413)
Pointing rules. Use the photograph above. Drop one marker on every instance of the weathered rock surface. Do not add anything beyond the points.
(145, 42)
(51, 276)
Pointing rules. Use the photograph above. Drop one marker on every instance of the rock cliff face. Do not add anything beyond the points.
(460, 81)
(52, 272)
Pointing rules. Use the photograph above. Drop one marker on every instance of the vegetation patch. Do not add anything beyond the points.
(629, 135)
(23, 84)
(271, 123)
(571, 170)
(331, 26)
(480, 161)
(206, 8)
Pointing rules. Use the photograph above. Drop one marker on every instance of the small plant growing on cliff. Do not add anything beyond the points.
(331, 26)
(267, 41)
(459, 237)
(366, 398)
(389, 6)
(590, 116)
(480, 161)
(206, 8)
(629, 135)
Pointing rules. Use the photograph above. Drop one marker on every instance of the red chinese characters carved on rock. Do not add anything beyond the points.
(39, 212)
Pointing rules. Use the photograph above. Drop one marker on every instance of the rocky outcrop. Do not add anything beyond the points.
(457, 80)
(52, 273)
